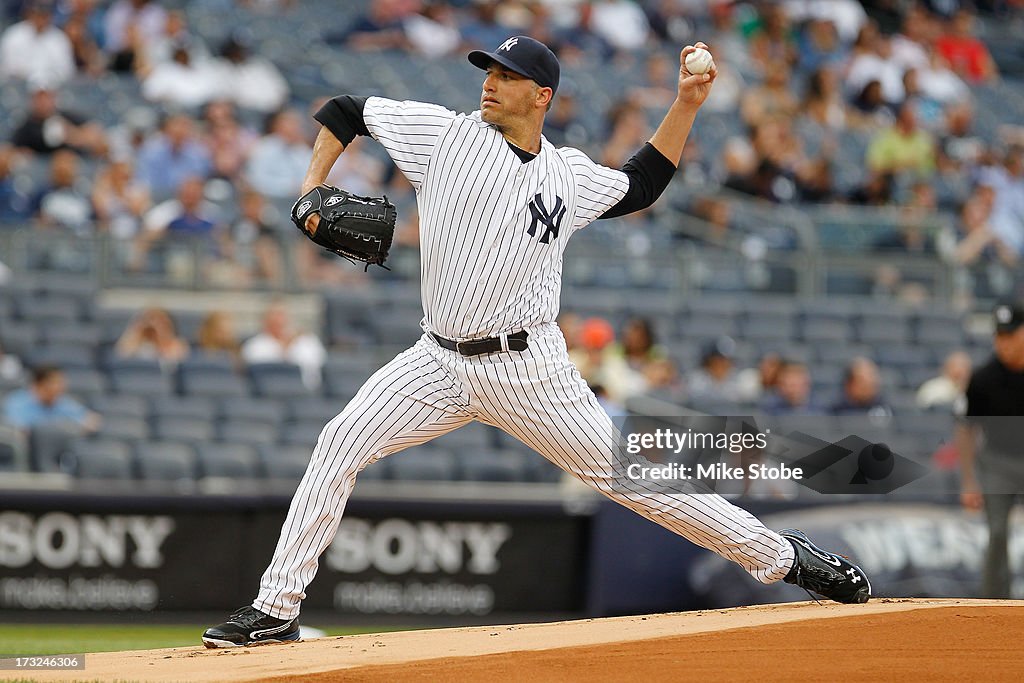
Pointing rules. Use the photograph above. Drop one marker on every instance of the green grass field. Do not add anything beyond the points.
(34, 639)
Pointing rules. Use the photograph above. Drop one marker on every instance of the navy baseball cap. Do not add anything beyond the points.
(1008, 317)
(524, 55)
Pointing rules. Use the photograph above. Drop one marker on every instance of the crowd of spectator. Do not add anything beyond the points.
(806, 79)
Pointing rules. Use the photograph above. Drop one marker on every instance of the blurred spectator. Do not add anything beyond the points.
(11, 369)
(959, 148)
(589, 356)
(570, 324)
(871, 61)
(253, 242)
(938, 82)
(990, 474)
(119, 201)
(130, 26)
(88, 57)
(14, 205)
(847, 16)
(772, 99)
(979, 241)
(773, 41)
(166, 159)
(908, 46)
(485, 30)
(912, 237)
(279, 342)
(1007, 183)
(64, 201)
(945, 390)
(792, 392)
(756, 383)
(620, 23)
(250, 81)
(217, 335)
(904, 147)
(379, 29)
(631, 367)
(876, 190)
(862, 391)
(433, 31)
(562, 126)
(357, 171)
(869, 109)
(716, 380)
(47, 128)
(820, 47)
(823, 103)
(180, 222)
(175, 35)
(152, 335)
(35, 49)
(227, 140)
(181, 81)
(966, 54)
(46, 402)
(278, 161)
(628, 130)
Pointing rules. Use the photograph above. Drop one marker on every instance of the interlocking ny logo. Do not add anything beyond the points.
(552, 221)
(507, 45)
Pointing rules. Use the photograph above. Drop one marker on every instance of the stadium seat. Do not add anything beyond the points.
(284, 462)
(310, 409)
(13, 450)
(277, 380)
(49, 445)
(85, 383)
(47, 310)
(72, 332)
(487, 465)
(423, 465)
(109, 405)
(196, 407)
(270, 411)
(470, 436)
(102, 459)
(213, 386)
(161, 461)
(63, 355)
(125, 427)
(300, 434)
(18, 338)
(231, 460)
(245, 431)
(182, 429)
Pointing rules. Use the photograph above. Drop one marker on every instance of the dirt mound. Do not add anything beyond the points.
(906, 640)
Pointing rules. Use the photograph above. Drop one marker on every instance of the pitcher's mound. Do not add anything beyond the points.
(888, 639)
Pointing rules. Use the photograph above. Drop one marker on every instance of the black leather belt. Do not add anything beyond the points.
(474, 347)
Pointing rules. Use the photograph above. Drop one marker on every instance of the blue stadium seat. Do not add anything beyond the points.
(213, 386)
(232, 460)
(312, 409)
(44, 310)
(66, 356)
(18, 338)
(110, 405)
(162, 461)
(182, 429)
(472, 436)
(300, 434)
(85, 384)
(486, 465)
(124, 427)
(284, 462)
(423, 465)
(268, 411)
(102, 459)
(197, 407)
(277, 380)
(246, 431)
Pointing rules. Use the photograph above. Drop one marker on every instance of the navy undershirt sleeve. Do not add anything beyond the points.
(343, 116)
(649, 173)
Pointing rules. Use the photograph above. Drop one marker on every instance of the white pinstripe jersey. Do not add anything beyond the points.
(492, 228)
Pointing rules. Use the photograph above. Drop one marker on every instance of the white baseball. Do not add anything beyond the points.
(699, 62)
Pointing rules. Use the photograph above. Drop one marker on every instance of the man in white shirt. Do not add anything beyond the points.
(35, 49)
(278, 342)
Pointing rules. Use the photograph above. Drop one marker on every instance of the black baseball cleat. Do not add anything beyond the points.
(825, 573)
(249, 626)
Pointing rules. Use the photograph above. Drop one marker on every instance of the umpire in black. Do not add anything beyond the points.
(992, 467)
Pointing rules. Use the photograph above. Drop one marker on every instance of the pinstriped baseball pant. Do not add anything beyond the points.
(538, 397)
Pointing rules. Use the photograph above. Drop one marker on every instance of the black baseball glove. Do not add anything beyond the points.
(358, 228)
